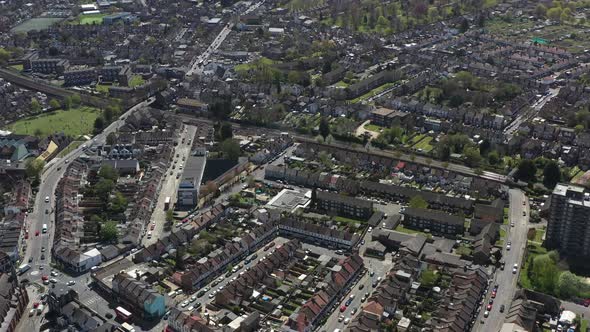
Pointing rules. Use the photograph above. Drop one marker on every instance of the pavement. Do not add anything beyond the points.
(507, 280)
(170, 185)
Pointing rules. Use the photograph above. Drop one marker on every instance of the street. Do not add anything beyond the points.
(170, 185)
(507, 280)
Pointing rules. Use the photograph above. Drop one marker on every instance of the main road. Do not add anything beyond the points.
(198, 62)
(506, 279)
(44, 212)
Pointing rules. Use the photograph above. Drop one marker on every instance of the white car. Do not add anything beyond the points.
(184, 304)
(347, 320)
(53, 280)
(508, 248)
(71, 283)
(486, 314)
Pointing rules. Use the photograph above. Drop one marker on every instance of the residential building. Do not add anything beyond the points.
(76, 261)
(188, 190)
(79, 77)
(341, 205)
(139, 296)
(386, 117)
(181, 321)
(13, 301)
(49, 66)
(435, 222)
(568, 229)
(71, 314)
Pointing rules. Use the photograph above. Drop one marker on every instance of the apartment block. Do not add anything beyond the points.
(568, 228)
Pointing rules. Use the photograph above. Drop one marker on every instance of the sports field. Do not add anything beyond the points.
(40, 23)
(75, 122)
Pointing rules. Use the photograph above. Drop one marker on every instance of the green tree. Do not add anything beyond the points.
(493, 157)
(485, 146)
(76, 100)
(545, 273)
(34, 167)
(54, 104)
(108, 231)
(103, 189)
(169, 215)
(180, 258)
(554, 13)
(570, 285)
(324, 127)
(551, 174)
(67, 103)
(526, 170)
(231, 149)
(35, 106)
(111, 138)
(472, 156)
(117, 203)
(108, 172)
(225, 131)
(418, 202)
(428, 278)
(98, 124)
(541, 10)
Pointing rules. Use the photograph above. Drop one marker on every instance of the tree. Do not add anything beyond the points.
(108, 172)
(493, 157)
(230, 149)
(526, 170)
(225, 131)
(4, 56)
(180, 258)
(464, 26)
(221, 109)
(472, 156)
(103, 189)
(570, 285)
(117, 203)
(35, 106)
(33, 168)
(111, 138)
(108, 231)
(554, 13)
(324, 127)
(485, 146)
(541, 10)
(67, 103)
(418, 202)
(76, 100)
(428, 278)
(551, 174)
(169, 215)
(545, 273)
(54, 104)
(98, 124)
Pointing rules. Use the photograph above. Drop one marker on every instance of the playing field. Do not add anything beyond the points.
(41, 23)
(75, 122)
(91, 19)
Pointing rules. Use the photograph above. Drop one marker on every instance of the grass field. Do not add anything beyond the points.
(345, 220)
(17, 67)
(36, 24)
(75, 122)
(372, 93)
(90, 19)
(424, 144)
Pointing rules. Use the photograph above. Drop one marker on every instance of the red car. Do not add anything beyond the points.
(493, 295)
(44, 278)
(342, 308)
(36, 233)
(489, 307)
(36, 304)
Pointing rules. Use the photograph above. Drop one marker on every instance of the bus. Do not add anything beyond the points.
(23, 268)
(126, 327)
(167, 203)
(123, 314)
(44, 228)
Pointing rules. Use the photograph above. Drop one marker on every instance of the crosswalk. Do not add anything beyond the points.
(91, 300)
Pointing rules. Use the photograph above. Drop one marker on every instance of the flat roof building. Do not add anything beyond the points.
(188, 190)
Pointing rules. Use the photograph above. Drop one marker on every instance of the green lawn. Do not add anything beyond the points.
(17, 67)
(341, 84)
(372, 93)
(372, 127)
(584, 325)
(424, 144)
(72, 146)
(534, 250)
(90, 19)
(506, 221)
(103, 88)
(539, 235)
(75, 122)
(402, 229)
(136, 80)
(347, 220)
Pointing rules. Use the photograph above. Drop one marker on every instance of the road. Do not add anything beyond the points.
(199, 62)
(506, 279)
(52, 173)
(213, 287)
(170, 185)
(529, 113)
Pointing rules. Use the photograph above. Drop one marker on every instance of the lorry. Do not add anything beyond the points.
(167, 203)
